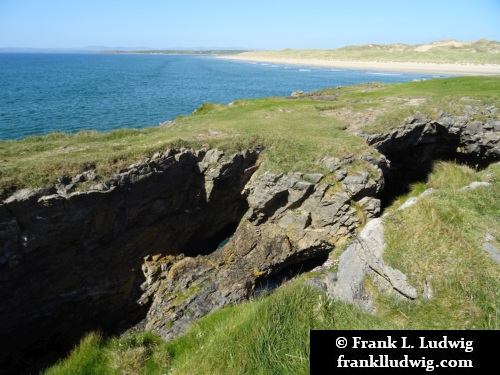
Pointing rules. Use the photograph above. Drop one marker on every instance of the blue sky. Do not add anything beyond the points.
(267, 24)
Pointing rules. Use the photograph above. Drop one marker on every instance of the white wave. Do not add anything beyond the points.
(304, 70)
(384, 74)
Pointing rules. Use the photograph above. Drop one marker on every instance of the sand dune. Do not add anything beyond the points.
(453, 69)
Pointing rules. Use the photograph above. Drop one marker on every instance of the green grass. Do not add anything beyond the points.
(269, 335)
(448, 95)
(440, 236)
(295, 133)
(481, 52)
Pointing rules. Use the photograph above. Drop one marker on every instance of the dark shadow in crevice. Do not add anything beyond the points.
(220, 238)
(50, 346)
(270, 283)
(414, 164)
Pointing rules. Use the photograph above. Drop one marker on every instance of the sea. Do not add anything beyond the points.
(44, 93)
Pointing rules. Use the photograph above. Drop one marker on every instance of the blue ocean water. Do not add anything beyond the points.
(43, 93)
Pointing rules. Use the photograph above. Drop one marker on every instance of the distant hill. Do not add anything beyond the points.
(480, 46)
(483, 51)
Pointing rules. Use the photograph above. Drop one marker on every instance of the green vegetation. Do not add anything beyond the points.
(269, 335)
(439, 239)
(483, 51)
(440, 236)
(293, 133)
(296, 133)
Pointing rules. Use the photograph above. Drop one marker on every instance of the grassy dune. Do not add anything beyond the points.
(483, 51)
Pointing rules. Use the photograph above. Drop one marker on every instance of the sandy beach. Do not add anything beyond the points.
(431, 68)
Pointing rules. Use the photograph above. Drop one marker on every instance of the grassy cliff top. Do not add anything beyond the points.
(483, 51)
(296, 133)
(439, 239)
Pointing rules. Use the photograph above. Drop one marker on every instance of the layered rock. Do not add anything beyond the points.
(74, 260)
(291, 218)
(448, 135)
(71, 260)
(364, 258)
(414, 147)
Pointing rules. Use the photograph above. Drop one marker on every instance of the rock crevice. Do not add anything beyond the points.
(70, 260)
(145, 243)
(414, 147)
(291, 218)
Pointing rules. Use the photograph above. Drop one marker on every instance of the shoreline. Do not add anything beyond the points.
(393, 66)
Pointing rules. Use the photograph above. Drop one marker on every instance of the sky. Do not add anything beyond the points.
(249, 24)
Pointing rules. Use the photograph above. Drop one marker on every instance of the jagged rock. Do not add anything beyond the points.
(71, 261)
(446, 121)
(89, 175)
(470, 110)
(29, 196)
(371, 206)
(412, 200)
(196, 286)
(379, 162)
(417, 118)
(359, 186)
(481, 139)
(288, 220)
(313, 177)
(212, 156)
(364, 257)
(99, 187)
(86, 255)
(333, 164)
(340, 174)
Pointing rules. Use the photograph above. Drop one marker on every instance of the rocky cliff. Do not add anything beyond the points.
(71, 260)
(186, 232)
(291, 218)
(296, 217)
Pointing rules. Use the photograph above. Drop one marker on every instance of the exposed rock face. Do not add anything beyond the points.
(480, 139)
(71, 261)
(413, 148)
(288, 221)
(147, 236)
(364, 258)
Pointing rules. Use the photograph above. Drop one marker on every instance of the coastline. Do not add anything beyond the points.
(410, 67)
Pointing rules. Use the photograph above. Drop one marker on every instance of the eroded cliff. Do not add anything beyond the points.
(145, 243)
